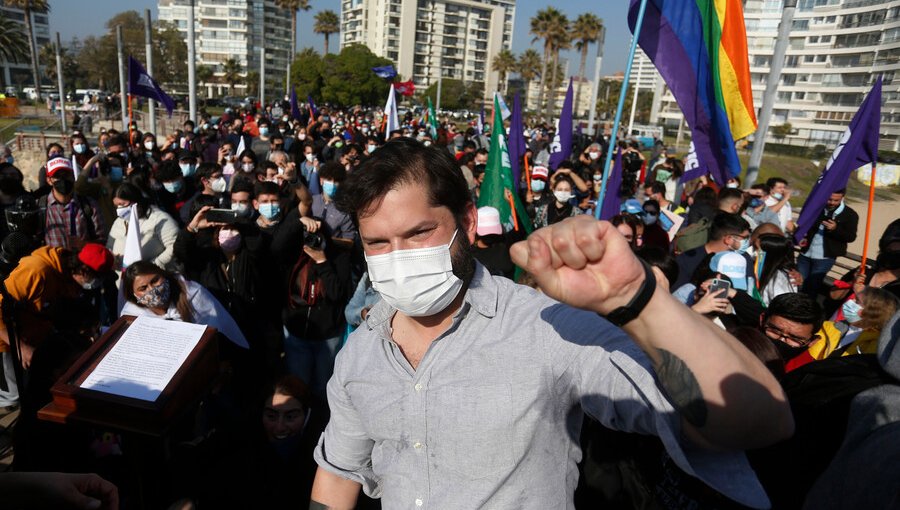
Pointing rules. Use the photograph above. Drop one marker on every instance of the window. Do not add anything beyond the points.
(809, 58)
(814, 39)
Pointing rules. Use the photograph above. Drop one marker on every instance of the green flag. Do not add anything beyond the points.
(432, 121)
(497, 187)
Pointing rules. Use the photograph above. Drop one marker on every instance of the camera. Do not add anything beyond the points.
(313, 239)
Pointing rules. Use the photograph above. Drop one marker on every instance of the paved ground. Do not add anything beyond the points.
(883, 213)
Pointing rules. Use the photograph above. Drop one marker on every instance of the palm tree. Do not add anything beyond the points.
(231, 73)
(327, 23)
(13, 45)
(503, 63)
(541, 28)
(585, 30)
(294, 6)
(561, 39)
(30, 6)
(527, 67)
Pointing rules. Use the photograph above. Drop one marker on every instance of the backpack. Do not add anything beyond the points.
(692, 236)
(86, 209)
(306, 289)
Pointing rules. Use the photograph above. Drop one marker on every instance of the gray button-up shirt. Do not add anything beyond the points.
(492, 415)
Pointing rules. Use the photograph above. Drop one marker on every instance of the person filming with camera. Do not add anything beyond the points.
(315, 260)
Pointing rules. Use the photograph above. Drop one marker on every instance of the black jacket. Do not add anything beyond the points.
(835, 241)
(325, 318)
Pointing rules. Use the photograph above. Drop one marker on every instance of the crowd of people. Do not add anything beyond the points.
(285, 234)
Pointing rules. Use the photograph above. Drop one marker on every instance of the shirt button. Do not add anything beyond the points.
(418, 446)
(418, 386)
(418, 502)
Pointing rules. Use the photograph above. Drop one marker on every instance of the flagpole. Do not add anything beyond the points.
(192, 64)
(62, 92)
(618, 118)
(865, 253)
(130, 116)
(148, 43)
(121, 57)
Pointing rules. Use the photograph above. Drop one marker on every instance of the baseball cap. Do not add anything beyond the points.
(96, 257)
(57, 164)
(632, 206)
(540, 172)
(488, 222)
(733, 265)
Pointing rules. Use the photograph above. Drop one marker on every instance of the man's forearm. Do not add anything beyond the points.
(720, 388)
(332, 492)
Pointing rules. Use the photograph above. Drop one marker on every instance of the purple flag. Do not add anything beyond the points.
(312, 108)
(561, 148)
(387, 72)
(141, 84)
(612, 202)
(295, 108)
(516, 142)
(858, 146)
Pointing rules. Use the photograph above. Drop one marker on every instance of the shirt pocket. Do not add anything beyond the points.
(470, 430)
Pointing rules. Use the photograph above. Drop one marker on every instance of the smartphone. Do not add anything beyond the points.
(716, 286)
(221, 216)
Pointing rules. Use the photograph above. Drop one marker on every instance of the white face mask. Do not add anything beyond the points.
(218, 185)
(418, 282)
(123, 212)
(148, 146)
(309, 157)
(562, 196)
(593, 155)
(240, 209)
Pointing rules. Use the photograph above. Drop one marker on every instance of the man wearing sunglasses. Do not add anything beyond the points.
(791, 322)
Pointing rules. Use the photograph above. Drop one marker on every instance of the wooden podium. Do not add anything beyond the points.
(73, 403)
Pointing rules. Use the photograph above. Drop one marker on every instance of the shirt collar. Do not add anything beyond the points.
(481, 295)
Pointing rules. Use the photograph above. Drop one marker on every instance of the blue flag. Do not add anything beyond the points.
(612, 202)
(387, 72)
(295, 108)
(858, 147)
(141, 84)
(516, 143)
(561, 148)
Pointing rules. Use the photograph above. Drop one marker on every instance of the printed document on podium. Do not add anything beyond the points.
(145, 358)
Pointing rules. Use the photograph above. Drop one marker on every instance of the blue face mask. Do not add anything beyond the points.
(187, 169)
(263, 131)
(756, 202)
(115, 174)
(269, 211)
(329, 188)
(537, 185)
(851, 311)
(10, 159)
(745, 244)
(174, 186)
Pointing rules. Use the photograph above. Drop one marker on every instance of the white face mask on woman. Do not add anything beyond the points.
(418, 282)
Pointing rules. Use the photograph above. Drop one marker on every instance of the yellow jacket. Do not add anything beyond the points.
(830, 337)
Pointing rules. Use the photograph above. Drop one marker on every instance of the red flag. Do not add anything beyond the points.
(406, 88)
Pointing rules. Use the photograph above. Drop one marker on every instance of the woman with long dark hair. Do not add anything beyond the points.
(158, 230)
(776, 255)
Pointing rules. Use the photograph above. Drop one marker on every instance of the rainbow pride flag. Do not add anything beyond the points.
(700, 49)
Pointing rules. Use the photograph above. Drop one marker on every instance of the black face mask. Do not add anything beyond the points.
(787, 352)
(64, 186)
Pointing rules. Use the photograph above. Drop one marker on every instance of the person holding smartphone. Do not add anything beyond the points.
(722, 291)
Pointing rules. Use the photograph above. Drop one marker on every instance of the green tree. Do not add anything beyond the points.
(782, 131)
(608, 100)
(457, 94)
(562, 40)
(30, 6)
(47, 58)
(527, 67)
(252, 83)
(231, 73)
(585, 31)
(13, 42)
(293, 6)
(504, 62)
(327, 23)
(349, 79)
(551, 25)
(306, 73)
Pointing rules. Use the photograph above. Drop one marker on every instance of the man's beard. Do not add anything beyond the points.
(462, 258)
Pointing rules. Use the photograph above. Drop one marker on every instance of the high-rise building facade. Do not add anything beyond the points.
(18, 74)
(837, 48)
(430, 38)
(643, 72)
(236, 29)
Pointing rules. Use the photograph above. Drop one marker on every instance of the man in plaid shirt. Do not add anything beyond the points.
(71, 220)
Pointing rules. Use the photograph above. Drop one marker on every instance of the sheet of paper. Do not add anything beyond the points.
(145, 358)
(676, 222)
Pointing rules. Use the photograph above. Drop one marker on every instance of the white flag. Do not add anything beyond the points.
(240, 147)
(132, 239)
(391, 121)
(504, 110)
(75, 167)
